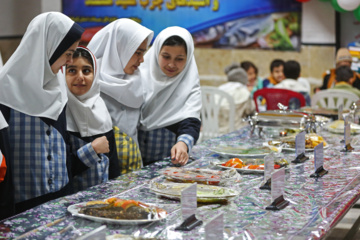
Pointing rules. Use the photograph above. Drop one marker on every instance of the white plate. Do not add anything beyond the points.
(230, 152)
(339, 128)
(75, 208)
(306, 149)
(173, 191)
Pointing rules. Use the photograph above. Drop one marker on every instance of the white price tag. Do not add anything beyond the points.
(188, 201)
(214, 229)
(268, 166)
(300, 143)
(347, 132)
(340, 112)
(319, 156)
(277, 184)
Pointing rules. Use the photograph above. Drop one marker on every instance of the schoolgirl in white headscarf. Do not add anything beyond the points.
(89, 124)
(119, 48)
(32, 100)
(171, 101)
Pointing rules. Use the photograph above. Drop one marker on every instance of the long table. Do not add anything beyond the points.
(316, 205)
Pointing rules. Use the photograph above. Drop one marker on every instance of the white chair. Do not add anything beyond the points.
(333, 98)
(212, 99)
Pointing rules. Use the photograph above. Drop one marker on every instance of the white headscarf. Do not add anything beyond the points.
(113, 46)
(87, 114)
(27, 82)
(169, 100)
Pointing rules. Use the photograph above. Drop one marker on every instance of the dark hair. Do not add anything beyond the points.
(175, 41)
(247, 65)
(292, 69)
(80, 52)
(343, 74)
(276, 63)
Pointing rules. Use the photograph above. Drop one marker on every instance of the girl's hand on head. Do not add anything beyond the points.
(179, 153)
(101, 145)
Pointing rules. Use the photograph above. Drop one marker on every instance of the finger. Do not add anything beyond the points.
(173, 153)
(174, 161)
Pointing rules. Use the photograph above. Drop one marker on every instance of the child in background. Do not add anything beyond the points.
(292, 71)
(344, 76)
(254, 82)
(89, 124)
(236, 87)
(276, 74)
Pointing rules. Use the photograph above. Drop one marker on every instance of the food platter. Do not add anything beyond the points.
(288, 143)
(338, 127)
(242, 170)
(242, 152)
(205, 193)
(202, 176)
(75, 210)
(250, 166)
(306, 149)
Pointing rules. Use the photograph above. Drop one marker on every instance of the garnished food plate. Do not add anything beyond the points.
(338, 127)
(288, 143)
(205, 193)
(199, 175)
(243, 152)
(251, 166)
(118, 211)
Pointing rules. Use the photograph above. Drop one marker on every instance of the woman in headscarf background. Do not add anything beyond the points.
(119, 48)
(89, 124)
(33, 102)
(170, 116)
(236, 87)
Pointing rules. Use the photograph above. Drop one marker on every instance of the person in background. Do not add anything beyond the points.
(343, 58)
(344, 76)
(292, 71)
(35, 97)
(89, 124)
(276, 74)
(254, 82)
(119, 48)
(7, 201)
(170, 117)
(236, 87)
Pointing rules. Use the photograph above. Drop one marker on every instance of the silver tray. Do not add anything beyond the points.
(206, 193)
(228, 151)
(75, 208)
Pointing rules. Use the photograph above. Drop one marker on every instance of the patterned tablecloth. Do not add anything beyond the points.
(316, 205)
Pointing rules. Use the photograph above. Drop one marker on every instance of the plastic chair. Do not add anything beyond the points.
(333, 98)
(273, 96)
(212, 98)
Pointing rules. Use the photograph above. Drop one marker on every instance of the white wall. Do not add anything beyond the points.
(318, 23)
(15, 15)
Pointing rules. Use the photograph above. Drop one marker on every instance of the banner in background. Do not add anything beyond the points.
(273, 24)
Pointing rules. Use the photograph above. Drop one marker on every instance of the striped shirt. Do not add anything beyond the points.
(38, 156)
(98, 171)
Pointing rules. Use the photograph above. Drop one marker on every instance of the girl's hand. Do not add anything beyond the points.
(101, 145)
(179, 153)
